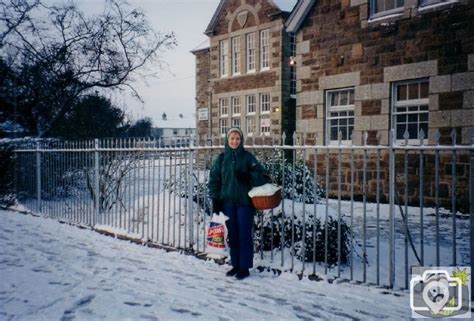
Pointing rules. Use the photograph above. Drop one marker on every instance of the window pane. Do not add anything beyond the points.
(412, 131)
(344, 135)
(385, 5)
(250, 52)
(424, 89)
(424, 117)
(424, 126)
(235, 122)
(413, 91)
(380, 5)
(401, 92)
(251, 104)
(344, 99)
(333, 133)
(401, 118)
(400, 131)
(351, 97)
(334, 99)
(264, 102)
(401, 109)
(413, 118)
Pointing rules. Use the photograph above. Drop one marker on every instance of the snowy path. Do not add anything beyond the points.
(53, 271)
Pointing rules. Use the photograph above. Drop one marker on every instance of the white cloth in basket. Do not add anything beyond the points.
(264, 190)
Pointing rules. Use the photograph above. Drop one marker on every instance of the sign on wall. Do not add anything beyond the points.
(203, 114)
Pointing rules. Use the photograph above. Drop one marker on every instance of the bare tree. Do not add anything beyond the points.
(59, 53)
(14, 13)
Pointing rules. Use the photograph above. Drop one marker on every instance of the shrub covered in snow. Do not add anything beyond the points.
(296, 177)
(288, 231)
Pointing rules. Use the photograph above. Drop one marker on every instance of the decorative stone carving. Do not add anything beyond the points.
(242, 18)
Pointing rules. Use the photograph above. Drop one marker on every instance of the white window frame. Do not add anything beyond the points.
(224, 126)
(374, 13)
(223, 52)
(250, 52)
(348, 107)
(265, 107)
(236, 122)
(236, 56)
(427, 3)
(251, 104)
(235, 105)
(265, 130)
(422, 111)
(250, 125)
(224, 107)
(265, 49)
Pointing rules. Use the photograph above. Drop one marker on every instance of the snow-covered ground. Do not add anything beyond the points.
(53, 271)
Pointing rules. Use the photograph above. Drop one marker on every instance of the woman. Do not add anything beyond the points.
(232, 175)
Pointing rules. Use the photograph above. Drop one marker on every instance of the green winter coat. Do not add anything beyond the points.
(234, 173)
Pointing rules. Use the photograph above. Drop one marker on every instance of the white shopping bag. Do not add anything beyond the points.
(216, 239)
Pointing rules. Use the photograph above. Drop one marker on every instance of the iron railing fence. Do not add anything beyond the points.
(364, 213)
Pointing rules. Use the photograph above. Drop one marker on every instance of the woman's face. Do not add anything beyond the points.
(234, 140)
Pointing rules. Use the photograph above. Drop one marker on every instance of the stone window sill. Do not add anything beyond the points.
(438, 6)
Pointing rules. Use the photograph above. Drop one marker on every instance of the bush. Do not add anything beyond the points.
(179, 185)
(283, 170)
(296, 231)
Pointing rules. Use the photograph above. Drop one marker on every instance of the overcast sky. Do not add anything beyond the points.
(175, 90)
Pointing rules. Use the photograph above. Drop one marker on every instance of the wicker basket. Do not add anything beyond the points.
(267, 202)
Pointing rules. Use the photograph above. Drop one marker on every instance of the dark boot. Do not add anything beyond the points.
(232, 272)
(242, 274)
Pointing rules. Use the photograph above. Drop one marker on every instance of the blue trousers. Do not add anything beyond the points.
(240, 232)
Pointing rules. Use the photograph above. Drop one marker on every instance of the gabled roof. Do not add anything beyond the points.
(281, 5)
(210, 27)
(298, 15)
(202, 46)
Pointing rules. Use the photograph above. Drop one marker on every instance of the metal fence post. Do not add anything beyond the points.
(38, 177)
(96, 181)
(190, 192)
(391, 198)
(471, 205)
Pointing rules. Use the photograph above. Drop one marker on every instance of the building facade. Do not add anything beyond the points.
(244, 78)
(371, 66)
(358, 67)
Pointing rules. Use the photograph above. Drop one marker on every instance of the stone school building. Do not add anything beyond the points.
(333, 70)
